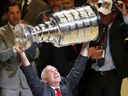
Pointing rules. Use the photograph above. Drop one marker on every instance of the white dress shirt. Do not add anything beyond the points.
(125, 19)
(109, 64)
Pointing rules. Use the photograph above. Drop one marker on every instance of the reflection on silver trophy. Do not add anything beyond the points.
(67, 27)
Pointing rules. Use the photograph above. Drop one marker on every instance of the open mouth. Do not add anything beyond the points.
(57, 76)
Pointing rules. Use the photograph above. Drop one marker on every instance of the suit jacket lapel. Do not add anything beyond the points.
(114, 28)
(61, 89)
(52, 92)
(9, 35)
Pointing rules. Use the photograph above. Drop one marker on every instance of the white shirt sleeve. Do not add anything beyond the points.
(125, 19)
(85, 52)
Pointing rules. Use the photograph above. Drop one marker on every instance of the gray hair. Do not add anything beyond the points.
(43, 73)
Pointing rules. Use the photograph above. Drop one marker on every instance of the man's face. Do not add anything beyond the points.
(52, 75)
(56, 5)
(14, 15)
(107, 19)
(68, 4)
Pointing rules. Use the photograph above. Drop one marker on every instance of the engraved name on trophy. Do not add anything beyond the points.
(66, 27)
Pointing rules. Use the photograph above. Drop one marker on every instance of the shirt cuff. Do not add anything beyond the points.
(14, 50)
(85, 52)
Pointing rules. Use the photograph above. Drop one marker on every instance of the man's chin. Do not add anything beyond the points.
(14, 23)
(58, 80)
(56, 9)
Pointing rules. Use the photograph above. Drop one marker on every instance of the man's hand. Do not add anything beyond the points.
(18, 48)
(95, 53)
(91, 52)
(20, 51)
(121, 7)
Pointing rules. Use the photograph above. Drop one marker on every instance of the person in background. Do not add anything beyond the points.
(12, 79)
(29, 12)
(106, 73)
(68, 4)
(51, 83)
(92, 1)
(96, 3)
(126, 3)
(53, 6)
(122, 8)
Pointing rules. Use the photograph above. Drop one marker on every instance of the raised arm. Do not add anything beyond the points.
(76, 72)
(122, 8)
(34, 82)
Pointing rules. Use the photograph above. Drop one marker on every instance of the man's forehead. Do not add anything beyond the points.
(48, 68)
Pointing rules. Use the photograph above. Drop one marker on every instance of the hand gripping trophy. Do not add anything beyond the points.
(66, 27)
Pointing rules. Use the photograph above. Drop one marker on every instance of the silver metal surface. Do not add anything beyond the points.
(77, 25)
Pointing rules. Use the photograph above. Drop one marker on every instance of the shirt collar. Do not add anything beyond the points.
(11, 26)
(54, 87)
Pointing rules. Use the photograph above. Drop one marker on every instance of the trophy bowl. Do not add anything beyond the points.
(66, 27)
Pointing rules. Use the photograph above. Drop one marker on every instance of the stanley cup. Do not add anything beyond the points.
(66, 27)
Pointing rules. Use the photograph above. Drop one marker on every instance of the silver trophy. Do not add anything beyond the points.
(66, 27)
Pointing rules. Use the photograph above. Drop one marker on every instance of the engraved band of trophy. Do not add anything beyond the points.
(66, 27)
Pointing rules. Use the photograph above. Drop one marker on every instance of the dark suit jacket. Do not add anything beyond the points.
(34, 8)
(117, 34)
(66, 85)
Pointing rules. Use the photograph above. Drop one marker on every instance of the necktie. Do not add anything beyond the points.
(25, 8)
(105, 36)
(103, 43)
(58, 92)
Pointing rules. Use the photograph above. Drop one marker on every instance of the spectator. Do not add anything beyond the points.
(31, 12)
(96, 3)
(122, 8)
(107, 72)
(12, 79)
(68, 4)
(54, 6)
